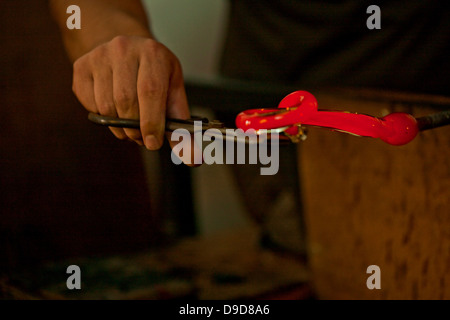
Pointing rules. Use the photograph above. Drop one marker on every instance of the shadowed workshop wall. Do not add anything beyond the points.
(67, 187)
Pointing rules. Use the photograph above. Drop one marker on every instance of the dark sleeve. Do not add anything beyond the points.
(327, 43)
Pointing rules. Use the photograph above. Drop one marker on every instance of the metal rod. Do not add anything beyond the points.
(434, 120)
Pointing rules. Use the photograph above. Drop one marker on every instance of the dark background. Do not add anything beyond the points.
(68, 187)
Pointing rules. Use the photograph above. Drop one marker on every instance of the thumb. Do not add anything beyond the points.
(182, 142)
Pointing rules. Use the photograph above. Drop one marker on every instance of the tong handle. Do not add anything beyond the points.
(171, 124)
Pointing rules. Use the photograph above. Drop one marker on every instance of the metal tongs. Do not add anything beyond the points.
(197, 124)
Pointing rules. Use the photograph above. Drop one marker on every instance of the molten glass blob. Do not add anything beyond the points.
(300, 108)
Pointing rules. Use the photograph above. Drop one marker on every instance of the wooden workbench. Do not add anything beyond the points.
(370, 203)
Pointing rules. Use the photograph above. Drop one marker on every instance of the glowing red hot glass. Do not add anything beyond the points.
(300, 108)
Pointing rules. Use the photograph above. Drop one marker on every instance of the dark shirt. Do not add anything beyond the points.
(327, 43)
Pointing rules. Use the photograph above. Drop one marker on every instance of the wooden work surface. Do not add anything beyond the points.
(369, 203)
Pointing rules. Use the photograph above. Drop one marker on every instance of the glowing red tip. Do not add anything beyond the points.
(400, 128)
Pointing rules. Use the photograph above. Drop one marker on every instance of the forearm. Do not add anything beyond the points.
(101, 20)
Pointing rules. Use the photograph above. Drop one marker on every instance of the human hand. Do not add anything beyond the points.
(133, 77)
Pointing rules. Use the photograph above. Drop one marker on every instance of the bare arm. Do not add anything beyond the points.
(102, 20)
(119, 68)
